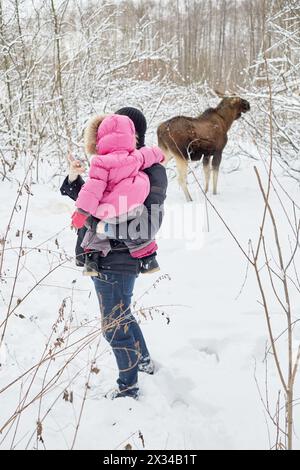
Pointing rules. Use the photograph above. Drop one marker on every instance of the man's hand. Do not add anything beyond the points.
(77, 167)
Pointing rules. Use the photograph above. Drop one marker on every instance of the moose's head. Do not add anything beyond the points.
(234, 102)
(238, 104)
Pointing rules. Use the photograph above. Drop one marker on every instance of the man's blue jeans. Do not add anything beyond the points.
(120, 328)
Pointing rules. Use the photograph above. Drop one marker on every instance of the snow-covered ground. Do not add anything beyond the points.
(206, 331)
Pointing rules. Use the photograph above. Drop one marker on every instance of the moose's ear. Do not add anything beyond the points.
(219, 94)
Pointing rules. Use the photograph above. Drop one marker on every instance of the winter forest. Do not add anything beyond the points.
(221, 317)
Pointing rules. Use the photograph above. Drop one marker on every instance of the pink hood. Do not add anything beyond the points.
(116, 184)
(115, 133)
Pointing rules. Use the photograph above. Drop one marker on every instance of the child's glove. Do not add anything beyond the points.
(79, 219)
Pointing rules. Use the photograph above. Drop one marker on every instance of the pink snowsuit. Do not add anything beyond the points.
(116, 184)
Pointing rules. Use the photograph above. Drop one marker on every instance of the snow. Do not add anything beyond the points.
(206, 330)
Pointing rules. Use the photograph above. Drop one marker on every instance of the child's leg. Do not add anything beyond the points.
(93, 242)
(141, 248)
(93, 247)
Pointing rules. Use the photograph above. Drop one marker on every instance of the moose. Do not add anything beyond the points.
(188, 138)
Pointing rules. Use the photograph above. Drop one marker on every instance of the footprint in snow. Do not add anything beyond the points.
(176, 389)
(210, 347)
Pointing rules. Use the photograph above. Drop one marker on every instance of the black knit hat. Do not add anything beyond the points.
(139, 122)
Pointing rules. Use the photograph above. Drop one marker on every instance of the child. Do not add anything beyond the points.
(116, 186)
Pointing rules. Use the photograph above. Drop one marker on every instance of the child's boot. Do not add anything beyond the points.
(149, 265)
(91, 265)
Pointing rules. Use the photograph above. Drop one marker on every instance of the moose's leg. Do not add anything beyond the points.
(206, 169)
(215, 166)
(182, 167)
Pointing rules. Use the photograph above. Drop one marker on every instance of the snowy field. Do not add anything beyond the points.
(201, 316)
